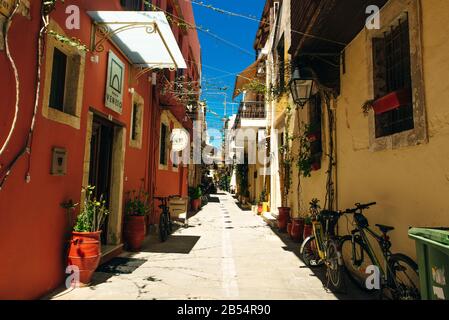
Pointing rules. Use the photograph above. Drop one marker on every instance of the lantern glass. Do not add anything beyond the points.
(301, 88)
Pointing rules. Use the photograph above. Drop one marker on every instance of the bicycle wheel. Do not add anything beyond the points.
(404, 275)
(334, 266)
(309, 253)
(169, 224)
(356, 262)
(163, 228)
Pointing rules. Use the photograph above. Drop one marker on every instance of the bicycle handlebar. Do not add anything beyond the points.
(359, 207)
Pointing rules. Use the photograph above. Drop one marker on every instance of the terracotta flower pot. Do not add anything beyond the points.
(289, 228)
(297, 229)
(134, 232)
(308, 231)
(85, 253)
(259, 209)
(196, 204)
(283, 218)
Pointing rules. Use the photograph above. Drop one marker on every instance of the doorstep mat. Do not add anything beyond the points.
(121, 265)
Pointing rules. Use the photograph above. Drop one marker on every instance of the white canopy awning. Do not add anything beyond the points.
(144, 37)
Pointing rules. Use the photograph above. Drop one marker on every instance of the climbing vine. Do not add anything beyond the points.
(72, 42)
(305, 160)
(286, 158)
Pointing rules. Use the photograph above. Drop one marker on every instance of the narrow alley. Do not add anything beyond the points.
(224, 253)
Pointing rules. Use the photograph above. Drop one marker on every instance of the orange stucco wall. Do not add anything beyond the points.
(33, 226)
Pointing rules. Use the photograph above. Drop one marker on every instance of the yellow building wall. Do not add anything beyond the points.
(411, 184)
(304, 189)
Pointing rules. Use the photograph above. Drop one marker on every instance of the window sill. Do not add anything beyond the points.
(163, 167)
(135, 144)
(62, 117)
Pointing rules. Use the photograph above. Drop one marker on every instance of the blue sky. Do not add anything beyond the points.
(222, 61)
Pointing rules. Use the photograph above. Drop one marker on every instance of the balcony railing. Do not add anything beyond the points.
(250, 110)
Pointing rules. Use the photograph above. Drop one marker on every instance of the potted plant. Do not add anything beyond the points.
(297, 229)
(136, 209)
(195, 197)
(308, 228)
(85, 245)
(313, 212)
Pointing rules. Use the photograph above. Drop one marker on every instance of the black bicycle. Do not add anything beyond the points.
(398, 274)
(323, 246)
(165, 223)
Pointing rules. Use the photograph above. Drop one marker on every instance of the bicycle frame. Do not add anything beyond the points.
(319, 238)
(383, 267)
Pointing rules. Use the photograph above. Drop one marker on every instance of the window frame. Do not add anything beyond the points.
(392, 69)
(137, 120)
(389, 15)
(76, 60)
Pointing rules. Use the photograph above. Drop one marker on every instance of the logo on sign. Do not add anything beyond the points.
(114, 84)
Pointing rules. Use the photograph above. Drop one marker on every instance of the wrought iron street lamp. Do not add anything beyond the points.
(301, 86)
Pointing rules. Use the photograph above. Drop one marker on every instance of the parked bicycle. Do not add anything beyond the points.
(165, 223)
(398, 273)
(323, 246)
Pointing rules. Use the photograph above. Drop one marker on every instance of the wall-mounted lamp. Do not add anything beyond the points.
(301, 86)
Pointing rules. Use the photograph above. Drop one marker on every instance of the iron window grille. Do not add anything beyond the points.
(392, 72)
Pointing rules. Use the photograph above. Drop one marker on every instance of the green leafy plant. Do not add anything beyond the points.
(305, 159)
(195, 193)
(72, 42)
(367, 106)
(137, 203)
(263, 196)
(93, 214)
(242, 177)
(286, 158)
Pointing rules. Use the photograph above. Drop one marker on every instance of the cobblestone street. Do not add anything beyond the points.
(225, 253)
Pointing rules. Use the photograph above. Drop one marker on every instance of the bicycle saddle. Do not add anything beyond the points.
(384, 228)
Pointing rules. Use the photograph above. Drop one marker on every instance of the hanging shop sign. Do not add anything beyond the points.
(114, 83)
(179, 139)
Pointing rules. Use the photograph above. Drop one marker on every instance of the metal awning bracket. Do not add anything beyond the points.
(105, 33)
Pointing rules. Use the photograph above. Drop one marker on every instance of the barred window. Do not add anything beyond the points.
(392, 76)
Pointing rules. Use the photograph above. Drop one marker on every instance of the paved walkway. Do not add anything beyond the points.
(225, 253)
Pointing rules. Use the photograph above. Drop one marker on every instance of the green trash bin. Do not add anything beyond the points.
(432, 250)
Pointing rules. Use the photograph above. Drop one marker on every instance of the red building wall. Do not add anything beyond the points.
(33, 226)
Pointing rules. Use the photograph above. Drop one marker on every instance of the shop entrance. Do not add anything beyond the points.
(100, 170)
